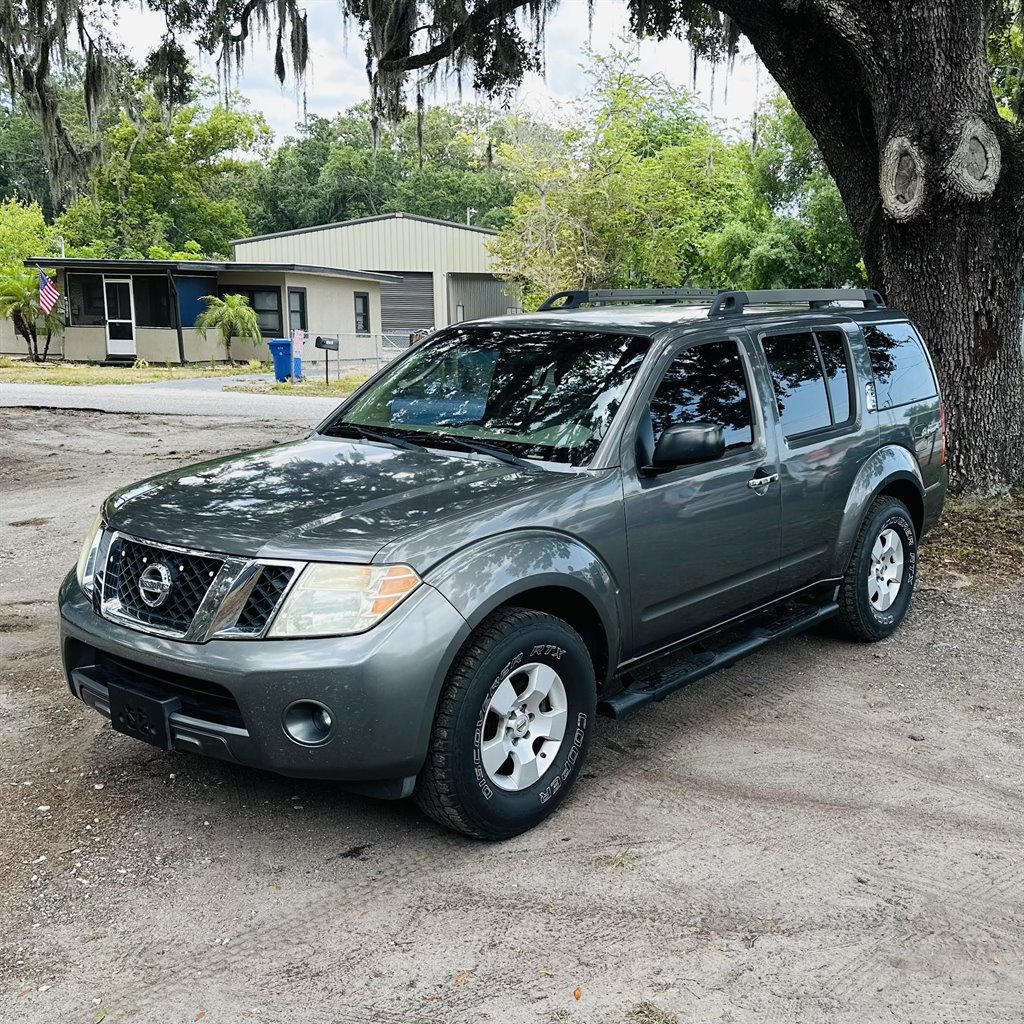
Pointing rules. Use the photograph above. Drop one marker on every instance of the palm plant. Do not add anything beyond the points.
(19, 303)
(232, 317)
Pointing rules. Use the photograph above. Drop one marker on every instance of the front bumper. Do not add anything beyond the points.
(381, 686)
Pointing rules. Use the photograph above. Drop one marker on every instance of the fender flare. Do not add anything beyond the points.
(886, 466)
(479, 578)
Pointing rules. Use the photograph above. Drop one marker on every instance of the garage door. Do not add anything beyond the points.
(407, 305)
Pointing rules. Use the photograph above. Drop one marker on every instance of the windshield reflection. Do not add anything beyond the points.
(533, 392)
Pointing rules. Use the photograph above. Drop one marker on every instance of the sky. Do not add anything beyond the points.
(337, 78)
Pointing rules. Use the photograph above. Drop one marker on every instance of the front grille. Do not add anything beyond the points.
(264, 599)
(190, 578)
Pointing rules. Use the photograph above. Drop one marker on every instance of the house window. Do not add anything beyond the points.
(265, 301)
(297, 309)
(362, 312)
(85, 300)
(152, 302)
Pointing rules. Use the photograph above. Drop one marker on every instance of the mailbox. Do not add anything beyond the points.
(327, 341)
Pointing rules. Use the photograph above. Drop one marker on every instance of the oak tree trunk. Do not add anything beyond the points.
(897, 97)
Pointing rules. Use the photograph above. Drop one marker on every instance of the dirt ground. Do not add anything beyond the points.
(823, 833)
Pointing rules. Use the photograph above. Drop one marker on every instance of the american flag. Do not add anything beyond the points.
(48, 294)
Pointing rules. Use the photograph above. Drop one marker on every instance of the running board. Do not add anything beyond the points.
(657, 683)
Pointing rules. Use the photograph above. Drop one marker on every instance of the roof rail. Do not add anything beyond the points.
(601, 296)
(734, 303)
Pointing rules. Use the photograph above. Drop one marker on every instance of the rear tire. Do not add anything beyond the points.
(512, 726)
(879, 583)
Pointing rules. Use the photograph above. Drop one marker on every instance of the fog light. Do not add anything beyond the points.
(308, 722)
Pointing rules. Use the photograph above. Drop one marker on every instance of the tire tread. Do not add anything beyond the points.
(434, 794)
(851, 620)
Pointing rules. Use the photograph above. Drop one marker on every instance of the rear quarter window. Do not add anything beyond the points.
(899, 364)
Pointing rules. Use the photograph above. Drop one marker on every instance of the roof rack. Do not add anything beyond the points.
(734, 303)
(602, 296)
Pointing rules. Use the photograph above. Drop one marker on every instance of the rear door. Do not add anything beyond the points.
(703, 540)
(822, 441)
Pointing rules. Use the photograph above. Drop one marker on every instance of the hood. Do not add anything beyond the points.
(319, 498)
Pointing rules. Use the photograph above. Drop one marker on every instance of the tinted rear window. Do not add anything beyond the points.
(799, 382)
(899, 364)
(837, 370)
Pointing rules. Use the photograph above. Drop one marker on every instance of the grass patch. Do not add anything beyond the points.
(978, 537)
(26, 372)
(308, 388)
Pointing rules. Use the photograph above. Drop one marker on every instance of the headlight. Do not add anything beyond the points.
(331, 600)
(87, 559)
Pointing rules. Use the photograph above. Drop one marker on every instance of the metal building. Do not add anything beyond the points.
(445, 268)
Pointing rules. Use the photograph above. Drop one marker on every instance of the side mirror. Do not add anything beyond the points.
(687, 443)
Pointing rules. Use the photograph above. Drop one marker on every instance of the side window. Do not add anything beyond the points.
(799, 382)
(899, 364)
(85, 299)
(706, 384)
(265, 301)
(152, 302)
(362, 300)
(837, 372)
(297, 309)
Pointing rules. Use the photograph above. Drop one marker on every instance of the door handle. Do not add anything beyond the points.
(762, 481)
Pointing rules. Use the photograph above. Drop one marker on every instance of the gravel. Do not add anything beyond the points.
(824, 832)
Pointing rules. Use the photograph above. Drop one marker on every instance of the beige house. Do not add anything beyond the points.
(445, 270)
(123, 310)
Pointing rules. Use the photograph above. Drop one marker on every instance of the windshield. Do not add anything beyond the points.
(537, 393)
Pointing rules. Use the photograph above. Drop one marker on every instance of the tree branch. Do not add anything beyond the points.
(481, 17)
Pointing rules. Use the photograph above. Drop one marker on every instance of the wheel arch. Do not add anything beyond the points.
(543, 570)
(891, 470)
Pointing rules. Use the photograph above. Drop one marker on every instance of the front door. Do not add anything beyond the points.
(120, 311)
(703, 539)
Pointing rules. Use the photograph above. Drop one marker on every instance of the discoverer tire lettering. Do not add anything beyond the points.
(455, 787)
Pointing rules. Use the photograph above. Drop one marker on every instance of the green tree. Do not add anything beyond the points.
(231, 317)
(19, 303)
(167, 182)
(627, 196)
(1006, 58)
(23, 233)
(438, 165)
(798, 234)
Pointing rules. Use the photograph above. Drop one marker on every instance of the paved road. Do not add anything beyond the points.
(168, 399)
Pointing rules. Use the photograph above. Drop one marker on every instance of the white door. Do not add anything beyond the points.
(120, 309)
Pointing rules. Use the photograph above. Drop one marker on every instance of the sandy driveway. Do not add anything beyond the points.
(823, 833)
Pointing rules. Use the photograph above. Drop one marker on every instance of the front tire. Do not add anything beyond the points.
(512, 726)
(879, 583)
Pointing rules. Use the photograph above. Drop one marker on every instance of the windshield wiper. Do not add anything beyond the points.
(485, 449)
(371, 435)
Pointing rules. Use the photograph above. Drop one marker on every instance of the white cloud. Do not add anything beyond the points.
(337, 78)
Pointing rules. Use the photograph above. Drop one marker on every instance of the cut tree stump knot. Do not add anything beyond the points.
(902, 179)
(974, 167)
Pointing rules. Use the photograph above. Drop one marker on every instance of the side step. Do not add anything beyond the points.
(673, 675)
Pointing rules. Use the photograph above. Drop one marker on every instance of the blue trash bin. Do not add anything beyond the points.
(281, 353)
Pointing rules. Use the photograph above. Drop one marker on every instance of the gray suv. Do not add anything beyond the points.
(519, 523)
